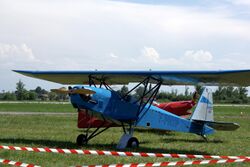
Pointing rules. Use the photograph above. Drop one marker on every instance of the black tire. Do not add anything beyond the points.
(133, 143)
(81, 140)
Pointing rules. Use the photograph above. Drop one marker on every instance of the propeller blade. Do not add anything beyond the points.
(83, 91)
(62, 90)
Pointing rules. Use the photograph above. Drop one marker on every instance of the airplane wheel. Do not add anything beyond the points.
(133, 143)
(81, 140)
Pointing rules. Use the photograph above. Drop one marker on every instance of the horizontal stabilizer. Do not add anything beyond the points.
(224, 126)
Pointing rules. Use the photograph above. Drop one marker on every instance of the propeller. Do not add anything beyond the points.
(83, 91)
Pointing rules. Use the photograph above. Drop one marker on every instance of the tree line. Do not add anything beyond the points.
(223, 94)
(229, 94)
(21, 93)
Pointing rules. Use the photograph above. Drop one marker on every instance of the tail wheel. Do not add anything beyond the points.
(81, 140)
(133, 143)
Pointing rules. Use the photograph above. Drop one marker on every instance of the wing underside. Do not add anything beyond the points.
(230, 77)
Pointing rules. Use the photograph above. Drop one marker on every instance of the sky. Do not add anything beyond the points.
(121, 35)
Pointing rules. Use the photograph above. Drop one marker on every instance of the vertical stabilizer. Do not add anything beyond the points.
(204, 108)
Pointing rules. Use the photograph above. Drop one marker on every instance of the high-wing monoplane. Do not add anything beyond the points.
(100, 107)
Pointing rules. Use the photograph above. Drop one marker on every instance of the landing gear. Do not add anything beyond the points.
(133, 143)
(81, 140)
(127, 140)
(204, 138)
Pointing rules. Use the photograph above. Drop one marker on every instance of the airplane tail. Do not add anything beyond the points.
(204, 113)
(204, 108)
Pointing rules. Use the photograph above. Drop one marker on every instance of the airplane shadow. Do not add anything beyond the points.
(45, 143)
(111, 146)
(170, 140)
(158, 132)
(171, 151)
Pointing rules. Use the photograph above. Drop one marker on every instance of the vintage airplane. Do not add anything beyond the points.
(99, 106)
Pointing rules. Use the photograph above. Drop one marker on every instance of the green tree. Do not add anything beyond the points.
(139, 92)
(52, 96)
(243, 94)
(32, 95)
(9, 96)
(230, 94)
(38, 90)
(20, 91)
(42, 94)
(199, 89)
(186, 91)
(123, 90)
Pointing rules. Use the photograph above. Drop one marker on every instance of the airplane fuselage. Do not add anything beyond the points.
(110, 106)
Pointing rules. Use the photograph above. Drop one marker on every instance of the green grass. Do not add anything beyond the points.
(61, 132)
(36, 107)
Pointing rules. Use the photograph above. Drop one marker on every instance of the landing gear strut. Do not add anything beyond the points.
(204, 138)
(127, 140)
(83, 139)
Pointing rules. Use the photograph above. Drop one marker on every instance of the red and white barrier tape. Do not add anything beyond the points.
(116, 153)
(9, 162)
(178, 163)
(215, 158)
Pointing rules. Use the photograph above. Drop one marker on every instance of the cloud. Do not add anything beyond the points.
(198, 56)
(190, 60)
(190, 56)
(112, 55)
(13, 56)
(14, 52)
(151, 54)
(240, 2)
(53, 35)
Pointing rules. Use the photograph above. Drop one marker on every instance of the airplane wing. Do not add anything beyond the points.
(227, 77)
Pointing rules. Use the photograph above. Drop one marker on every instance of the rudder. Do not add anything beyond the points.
(204, 108)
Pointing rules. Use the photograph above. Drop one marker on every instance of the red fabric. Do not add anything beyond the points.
(179, 108)
(85, 120)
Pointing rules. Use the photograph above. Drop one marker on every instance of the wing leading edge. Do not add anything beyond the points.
(227, 77)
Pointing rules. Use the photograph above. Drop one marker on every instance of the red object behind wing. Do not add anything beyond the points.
(179, 108)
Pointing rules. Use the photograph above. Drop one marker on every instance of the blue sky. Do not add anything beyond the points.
(121, 35)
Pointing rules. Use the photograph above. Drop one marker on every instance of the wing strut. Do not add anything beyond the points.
(145, 100)
(93, 80)
(148, 95)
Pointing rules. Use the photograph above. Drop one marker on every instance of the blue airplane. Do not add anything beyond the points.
(100, 107)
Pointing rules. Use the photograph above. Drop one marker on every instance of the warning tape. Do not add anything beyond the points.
(215, 159)
(14, 163)
(178, 163)
(116, 153)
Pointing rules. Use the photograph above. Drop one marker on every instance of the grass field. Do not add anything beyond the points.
(36, 107)
(61, 132)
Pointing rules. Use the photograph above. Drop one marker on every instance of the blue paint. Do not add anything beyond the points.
(108, 103)
(160, 119)
(111, 106)
(132, 72)
(205, 100)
